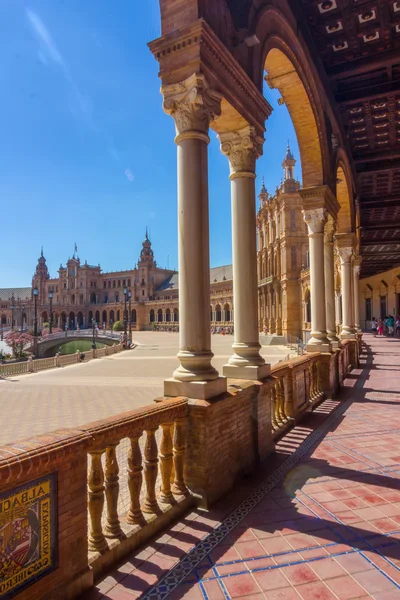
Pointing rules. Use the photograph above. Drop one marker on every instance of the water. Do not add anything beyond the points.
(72, 346)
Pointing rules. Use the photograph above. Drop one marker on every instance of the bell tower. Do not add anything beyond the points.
(40, 276)
(146, 265)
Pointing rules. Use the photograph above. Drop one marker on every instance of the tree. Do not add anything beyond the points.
(18, 341)
(118, 326)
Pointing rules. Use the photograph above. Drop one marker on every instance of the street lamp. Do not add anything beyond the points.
(35, 332)
(51, 312)
(12, 317)
(125, 313)
(93, 331)
(130, 316)
(22, 317)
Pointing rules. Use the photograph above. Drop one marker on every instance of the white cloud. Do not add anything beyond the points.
(129, 175)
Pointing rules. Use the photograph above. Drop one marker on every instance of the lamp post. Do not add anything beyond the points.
(130, 316)
(94, 332)
(125, 313)
(22, 317)
(12, 317)
(51, 312)
(35, 332)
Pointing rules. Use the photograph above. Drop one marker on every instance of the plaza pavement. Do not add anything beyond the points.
(319, 521)
(79, 394)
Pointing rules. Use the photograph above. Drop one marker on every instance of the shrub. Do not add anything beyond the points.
(18, 342)
(118, 326)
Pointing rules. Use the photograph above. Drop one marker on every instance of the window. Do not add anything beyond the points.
(119, 283)
(65, 285)
(105, 299)
(116, 298)
(114, 284)
(104, 284)
(129, 283)
(109, 284)
(294, 258)
(292, 220)
(368, 309)
(142, 292)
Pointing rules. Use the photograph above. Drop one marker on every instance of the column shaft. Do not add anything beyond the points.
(347, 300)
(356, 294)
(330, 284)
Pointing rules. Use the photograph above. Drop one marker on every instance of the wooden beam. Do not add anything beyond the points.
(385, 202)
(384, 227)
(363, 65)
(368, 93)
(378, 155)
(378, 167)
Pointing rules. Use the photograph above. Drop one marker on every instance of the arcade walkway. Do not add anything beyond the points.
(320, 521)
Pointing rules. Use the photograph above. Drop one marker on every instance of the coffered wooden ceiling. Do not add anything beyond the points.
(359, 44)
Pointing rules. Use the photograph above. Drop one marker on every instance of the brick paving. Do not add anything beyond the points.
(79, 394)
(321, 520)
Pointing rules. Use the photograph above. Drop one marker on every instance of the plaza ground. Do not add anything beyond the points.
(82, 393)
(319, 521)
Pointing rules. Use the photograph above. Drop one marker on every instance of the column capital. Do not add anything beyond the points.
(242, 147)
(192, 103)
(330, 229)
(315, 219)
(345, 243)
(357, 265)
(320, 197)
(345, 254)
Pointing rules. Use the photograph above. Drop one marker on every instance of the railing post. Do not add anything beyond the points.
(135, 478)
(96, 502)
(166, 463)
(112, 528)
(150, 504)
(274, 420)
(179, 487)
(78, 356)
(31, 366)
(281, 403)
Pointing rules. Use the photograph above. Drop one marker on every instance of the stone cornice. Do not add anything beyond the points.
(197, 48)
(320, 197)
(345, 240)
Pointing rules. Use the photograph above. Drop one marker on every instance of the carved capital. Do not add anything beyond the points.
(192, 103)
(315, 220)
(242, 148)
(330, 229)
(345, 253)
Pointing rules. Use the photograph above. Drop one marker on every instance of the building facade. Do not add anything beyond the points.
(83, 293)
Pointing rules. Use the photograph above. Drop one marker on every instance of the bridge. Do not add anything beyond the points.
(54, 340)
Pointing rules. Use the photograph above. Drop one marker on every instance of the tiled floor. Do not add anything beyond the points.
(321, 521)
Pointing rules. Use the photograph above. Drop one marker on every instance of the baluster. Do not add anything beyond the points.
(166, 463)
(96, 502)
(179, 487)
(318, 378)
(281, 390)
(311, 372)
(150, 504)
(112, 528)
(274, 421)
(135, 478)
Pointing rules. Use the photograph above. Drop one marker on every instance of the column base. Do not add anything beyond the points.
(335, 345)
(318, 348)
(252, 373)
(348, 336)
(198, 390)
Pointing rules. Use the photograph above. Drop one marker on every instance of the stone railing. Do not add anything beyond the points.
(59, 360)
(87, 514)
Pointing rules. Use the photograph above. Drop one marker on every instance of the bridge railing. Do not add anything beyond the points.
(59, 360)
(114, 335)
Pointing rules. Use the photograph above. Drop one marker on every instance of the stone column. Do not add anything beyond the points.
(345, 248)
(330, 283)
(193, 105)
(315, 219)
(356, 293)
(242, 148)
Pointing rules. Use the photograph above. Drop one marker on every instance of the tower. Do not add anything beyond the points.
(40, 276)
(145, 265)
(288, 165)
(263, 195)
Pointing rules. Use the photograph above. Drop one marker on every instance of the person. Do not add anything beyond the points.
(380, 327)
(397, 324)
(390, 325)
(374, 326)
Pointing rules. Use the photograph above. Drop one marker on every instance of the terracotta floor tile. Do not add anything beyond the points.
(120, 593)
(213, 590)
(346, 588)
(287, 593)
(353, 563)
(241, 585)
(276, 545)
(373, 581)
(186, 592)
(250, 549)
(271, 579)
(299, 574)
(327, 568)
(315, 591)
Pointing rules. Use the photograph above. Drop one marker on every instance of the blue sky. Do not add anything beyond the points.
(86, 153)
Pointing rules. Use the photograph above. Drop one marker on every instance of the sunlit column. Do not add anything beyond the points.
(356, 294)
(330, 282)
(315, 220)
(193, 106)
(242, 148)
(345, 248)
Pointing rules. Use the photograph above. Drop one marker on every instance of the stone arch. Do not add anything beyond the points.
(112, 317)
(90, 319)
(97, 316)
(71, 320)
(104, 316)
(133, 315)
(218, 313)
(168, 315)
(45, 317)
(152, 316)
(344, 195)
(176, 315)
(118, 315)
(79, 318)
(227, 311)
(159, 315)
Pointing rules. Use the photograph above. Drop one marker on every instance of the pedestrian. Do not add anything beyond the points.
(374, 326)
(390, 325)
(397, 326)
(380, 327)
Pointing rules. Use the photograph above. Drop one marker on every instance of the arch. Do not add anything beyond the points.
(3, 319)
(118, 315)
(159, 315)
(92, 298)
(90, 319)
(227, 311)
(176, 315)
(63, 319)
(151, 316)
(73, 299)
(104, 316)
(168, 315)
(45, 317)
(97, 316)
(218, 313)
(344, 196)
(129, 283)
(79, 319)
(133, 315)
(112, 318)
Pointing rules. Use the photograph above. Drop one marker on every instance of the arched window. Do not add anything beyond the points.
(218, 313)
(124, 283)
(119, 283)
(294, 258)
(97, 317)
(133, 316)
(81, 299)
(105, 284)
(112, 318)
(93, 298)
(129, 283)
(104, 317)
(152, 319)
(168, 315)
(118, 315)
(176, 315)
(159, 315)
(227, 312)
(114, 285)
(109, 284)
(73, 299)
